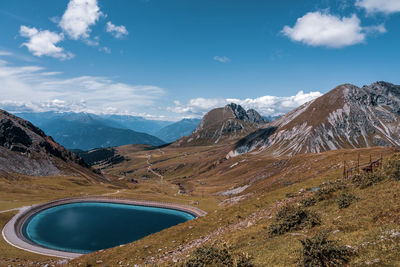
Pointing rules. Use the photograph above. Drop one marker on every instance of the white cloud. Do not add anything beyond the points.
(79, 17)
(105, 49)
(43, 43)
(323, 29)
(223, 59)
(5, 53)
(383, 6)
(116, 31)
(266, 105)
(34, 88)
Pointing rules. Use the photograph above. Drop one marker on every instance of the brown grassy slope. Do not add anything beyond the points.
(243, 221)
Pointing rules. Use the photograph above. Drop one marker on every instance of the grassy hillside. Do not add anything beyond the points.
(242, 197)
(243, 222)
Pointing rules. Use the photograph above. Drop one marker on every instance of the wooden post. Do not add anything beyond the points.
(344, 169)
(370, 158)
(358, 163)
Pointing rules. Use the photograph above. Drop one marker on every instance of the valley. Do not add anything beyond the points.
(242, 193)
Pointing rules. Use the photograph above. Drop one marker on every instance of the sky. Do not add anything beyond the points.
(173, 59)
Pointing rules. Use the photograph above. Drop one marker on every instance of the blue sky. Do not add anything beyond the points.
(169, 59)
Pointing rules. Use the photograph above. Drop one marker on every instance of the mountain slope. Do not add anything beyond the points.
(224, 125)
(136, 123)
(26, 149)
(346, 117)
(85, 136)
(87, 131)
(174, 131)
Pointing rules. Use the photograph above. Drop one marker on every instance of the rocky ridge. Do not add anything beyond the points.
(26, 149)
(346, 117)
(224, 124)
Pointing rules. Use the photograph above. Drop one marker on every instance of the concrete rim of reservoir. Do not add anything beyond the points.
(13, 230)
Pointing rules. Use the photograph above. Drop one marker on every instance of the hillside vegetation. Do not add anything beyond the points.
(309, 220)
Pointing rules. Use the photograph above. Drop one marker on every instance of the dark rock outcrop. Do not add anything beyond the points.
(26, 149)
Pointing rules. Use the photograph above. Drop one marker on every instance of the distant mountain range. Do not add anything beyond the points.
(174, 131)
(26, 149)
(346, 117)
(87, 131)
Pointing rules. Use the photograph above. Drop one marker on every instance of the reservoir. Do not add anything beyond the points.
(89, 226)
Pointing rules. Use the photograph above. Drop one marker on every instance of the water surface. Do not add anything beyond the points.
(87, 227)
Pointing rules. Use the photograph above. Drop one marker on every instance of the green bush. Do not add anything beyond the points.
(345, 200)
(392, 168)
(319, 251)
(326, 190)
(292, 217)
(366, 179)
(308, 202)
(217, 256)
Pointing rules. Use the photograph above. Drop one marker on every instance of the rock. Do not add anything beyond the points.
(346, 117)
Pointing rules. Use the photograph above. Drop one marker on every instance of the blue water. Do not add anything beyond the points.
(87, 227)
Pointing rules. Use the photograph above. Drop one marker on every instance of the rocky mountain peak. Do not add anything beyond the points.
(346, 117)
(227, 123)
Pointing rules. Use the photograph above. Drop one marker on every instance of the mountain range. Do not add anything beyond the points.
(26, 149)
(173, 132)
(86, 131)
(346, 117)
(223, 125)
(293, 162)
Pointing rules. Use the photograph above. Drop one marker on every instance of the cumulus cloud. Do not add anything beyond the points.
(223, 59)
(323, 29)
(116, 31)
(37, 89)
(79, 17)
(266, 105)
(43, 43)
(382, 6)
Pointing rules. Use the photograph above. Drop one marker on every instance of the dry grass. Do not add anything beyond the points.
(244, 225)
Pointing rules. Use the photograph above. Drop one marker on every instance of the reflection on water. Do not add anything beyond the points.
(87, 227)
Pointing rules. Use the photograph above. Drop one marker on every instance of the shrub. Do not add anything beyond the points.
(308, 202)
(366, 179)
(292, 217)
(319, 251)
(217, 256)
(290, 195)
(392, 168)
(345, 200)
(327, 189)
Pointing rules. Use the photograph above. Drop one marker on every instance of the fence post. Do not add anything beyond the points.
(344, 169)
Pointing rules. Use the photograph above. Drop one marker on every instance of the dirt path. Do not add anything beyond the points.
(5, 211)
(150, 169)
(114, 193)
